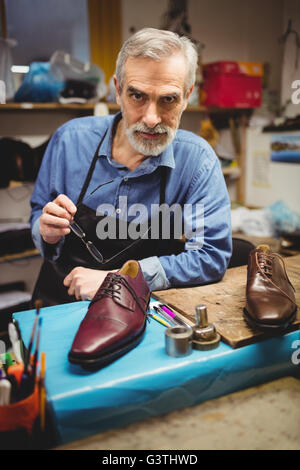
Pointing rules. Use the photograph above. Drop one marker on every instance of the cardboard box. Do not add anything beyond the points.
(232, 84)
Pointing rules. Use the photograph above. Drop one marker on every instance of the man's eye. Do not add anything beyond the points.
(137, 96)
(169, 99)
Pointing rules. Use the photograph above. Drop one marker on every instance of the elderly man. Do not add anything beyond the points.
(101, 170)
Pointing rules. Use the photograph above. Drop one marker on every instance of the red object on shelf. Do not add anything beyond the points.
(232, 84)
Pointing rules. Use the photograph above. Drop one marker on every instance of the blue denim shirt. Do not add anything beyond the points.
(195, 178)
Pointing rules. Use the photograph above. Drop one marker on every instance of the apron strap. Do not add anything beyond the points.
(90, 172)
(163, 178)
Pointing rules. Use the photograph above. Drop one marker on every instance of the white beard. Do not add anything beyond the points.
(147, 147)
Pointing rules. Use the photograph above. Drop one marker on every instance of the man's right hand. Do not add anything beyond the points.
(55, 218)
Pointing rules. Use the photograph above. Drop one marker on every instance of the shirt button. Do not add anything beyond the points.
(125, 179)
(118, 211)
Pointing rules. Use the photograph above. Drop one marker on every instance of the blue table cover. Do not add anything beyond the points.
(146, 381)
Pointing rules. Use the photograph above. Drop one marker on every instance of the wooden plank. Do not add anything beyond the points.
(22, 255)
(225, 301)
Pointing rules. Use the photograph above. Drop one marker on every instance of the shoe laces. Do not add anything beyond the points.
(111, 287)
(264, 262)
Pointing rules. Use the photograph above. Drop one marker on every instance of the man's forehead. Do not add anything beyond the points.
(142, 72)
(163, 63)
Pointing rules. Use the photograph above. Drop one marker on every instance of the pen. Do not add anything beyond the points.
(28, 377)
(38, 305)
(36, 351)
(163, 314)
(42, 391)
(173, 315)
(159, 320)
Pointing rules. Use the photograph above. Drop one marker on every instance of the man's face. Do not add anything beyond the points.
(152, 100)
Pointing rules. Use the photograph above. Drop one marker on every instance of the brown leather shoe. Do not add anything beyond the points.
(116, 318)
(270, 298)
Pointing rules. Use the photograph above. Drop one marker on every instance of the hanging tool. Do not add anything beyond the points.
(284, 37)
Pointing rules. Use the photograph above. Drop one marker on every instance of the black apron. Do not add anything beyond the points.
(50, 288)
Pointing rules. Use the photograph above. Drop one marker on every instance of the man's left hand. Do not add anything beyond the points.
(84, 282)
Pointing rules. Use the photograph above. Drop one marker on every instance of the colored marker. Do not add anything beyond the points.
(173, 315)
(42, 391)
(159, 320)
(163, 314)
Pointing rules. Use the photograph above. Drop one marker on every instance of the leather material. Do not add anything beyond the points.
(270, 298)
(116, 317)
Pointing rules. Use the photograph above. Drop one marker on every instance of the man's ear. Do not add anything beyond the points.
(117, 87)
(188, 93)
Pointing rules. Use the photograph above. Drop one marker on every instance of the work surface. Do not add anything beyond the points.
(265, 417)
(225, 301)
(146, 382)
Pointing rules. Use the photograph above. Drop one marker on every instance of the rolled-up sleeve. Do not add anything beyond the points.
(154, 274)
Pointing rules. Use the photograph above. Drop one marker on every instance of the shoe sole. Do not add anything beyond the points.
(105, 359)
(269, 327)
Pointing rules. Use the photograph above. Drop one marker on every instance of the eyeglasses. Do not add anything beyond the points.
(90, 246)
(93, 250)
(77, 230)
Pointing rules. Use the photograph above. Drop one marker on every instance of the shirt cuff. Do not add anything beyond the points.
(48, 251)
(154, 274)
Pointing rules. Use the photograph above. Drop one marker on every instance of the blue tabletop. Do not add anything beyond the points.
(146, 381)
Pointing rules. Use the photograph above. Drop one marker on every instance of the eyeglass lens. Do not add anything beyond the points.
(94, 252)
(76, 229)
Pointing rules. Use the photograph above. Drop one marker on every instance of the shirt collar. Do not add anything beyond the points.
(166, 158)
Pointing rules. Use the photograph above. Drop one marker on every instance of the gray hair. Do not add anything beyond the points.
(156, 44)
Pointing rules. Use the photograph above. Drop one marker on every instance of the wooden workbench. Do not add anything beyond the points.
(225, 301)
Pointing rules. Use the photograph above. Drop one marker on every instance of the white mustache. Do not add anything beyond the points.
(158, 129)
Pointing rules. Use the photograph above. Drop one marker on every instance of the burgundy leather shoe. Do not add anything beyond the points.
(116, 318)
(270, 298)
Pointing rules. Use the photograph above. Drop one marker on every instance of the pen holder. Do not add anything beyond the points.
(17, 421)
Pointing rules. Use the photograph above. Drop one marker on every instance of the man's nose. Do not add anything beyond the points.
(151, 116)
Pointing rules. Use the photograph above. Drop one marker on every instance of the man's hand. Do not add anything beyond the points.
(84, 282)
(54, 221)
